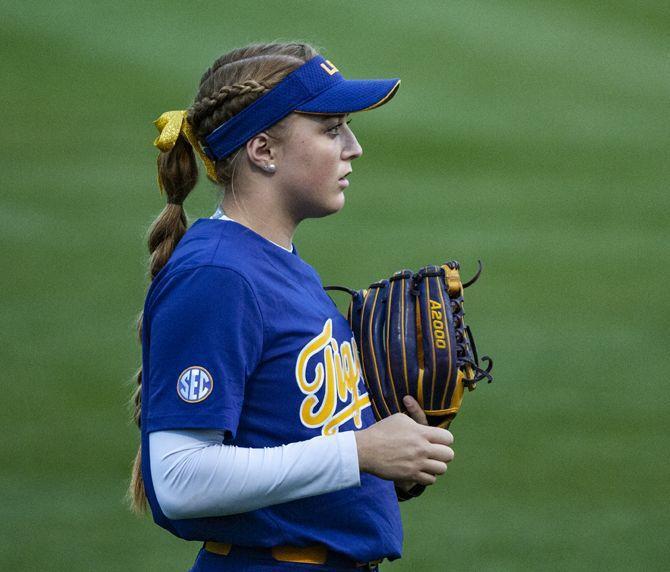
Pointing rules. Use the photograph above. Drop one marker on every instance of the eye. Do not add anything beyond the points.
(335, 129)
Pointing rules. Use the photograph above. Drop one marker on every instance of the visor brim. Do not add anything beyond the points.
(352, 95)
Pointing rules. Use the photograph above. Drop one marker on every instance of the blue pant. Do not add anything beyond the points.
(210, 562)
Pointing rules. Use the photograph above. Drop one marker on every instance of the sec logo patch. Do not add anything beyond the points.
(195, 384)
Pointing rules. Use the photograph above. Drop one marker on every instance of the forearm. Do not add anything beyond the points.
(195, 475)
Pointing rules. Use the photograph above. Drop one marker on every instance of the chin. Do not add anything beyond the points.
(338, 204)
(334, 206)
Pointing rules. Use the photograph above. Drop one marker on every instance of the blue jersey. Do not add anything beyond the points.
(239, 336)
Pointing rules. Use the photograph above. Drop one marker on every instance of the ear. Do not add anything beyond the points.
(260, 150)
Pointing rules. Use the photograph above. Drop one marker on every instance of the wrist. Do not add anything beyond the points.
(362, 449)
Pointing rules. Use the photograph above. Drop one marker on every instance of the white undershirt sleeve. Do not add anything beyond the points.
(195, 474)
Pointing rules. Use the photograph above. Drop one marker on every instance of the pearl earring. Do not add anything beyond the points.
(270, 167)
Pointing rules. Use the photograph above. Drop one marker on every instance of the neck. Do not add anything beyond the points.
(262, 216)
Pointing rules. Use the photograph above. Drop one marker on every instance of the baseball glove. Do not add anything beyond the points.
(412, 340)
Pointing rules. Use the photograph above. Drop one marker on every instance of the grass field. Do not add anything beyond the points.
(532, 135)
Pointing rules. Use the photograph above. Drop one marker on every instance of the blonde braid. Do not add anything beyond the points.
(226, 92)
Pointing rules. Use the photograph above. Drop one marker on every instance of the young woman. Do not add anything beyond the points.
(257, 436)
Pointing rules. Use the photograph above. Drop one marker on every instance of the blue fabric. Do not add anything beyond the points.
(283, 368)
(352, 95)
(314, 87)
(195, 325)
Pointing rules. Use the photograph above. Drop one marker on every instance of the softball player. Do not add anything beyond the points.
(257, 436)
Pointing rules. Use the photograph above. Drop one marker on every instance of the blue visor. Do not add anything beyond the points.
(315, 87)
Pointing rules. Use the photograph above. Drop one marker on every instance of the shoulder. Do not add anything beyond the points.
(209, 264)
(212, 243)
(201, 292)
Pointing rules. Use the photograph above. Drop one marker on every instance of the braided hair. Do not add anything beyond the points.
(230, 84)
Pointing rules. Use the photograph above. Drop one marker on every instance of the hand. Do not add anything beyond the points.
(400, 448)
(415, 412)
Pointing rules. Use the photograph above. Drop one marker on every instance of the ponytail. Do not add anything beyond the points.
(177, 176)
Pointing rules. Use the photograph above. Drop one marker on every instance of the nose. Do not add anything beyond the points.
(352, 150)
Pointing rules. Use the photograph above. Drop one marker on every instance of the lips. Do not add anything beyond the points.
(343, 178)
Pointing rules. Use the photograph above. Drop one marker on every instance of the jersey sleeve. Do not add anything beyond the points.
(202, 339)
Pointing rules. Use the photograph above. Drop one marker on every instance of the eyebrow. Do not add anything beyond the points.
(328, 117)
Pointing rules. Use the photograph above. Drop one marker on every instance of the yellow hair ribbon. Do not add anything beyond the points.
(170, 124)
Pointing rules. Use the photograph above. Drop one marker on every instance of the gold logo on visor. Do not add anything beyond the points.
(329, 70)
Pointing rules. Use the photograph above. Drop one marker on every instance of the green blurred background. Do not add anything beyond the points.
(532, 135)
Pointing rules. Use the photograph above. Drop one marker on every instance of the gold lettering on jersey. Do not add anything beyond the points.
(330, 69)
(437, 321)
(338, 372)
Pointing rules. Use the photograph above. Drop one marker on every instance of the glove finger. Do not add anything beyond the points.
(438, 342)
(373, 353)
(391, 401)
(401, 334)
